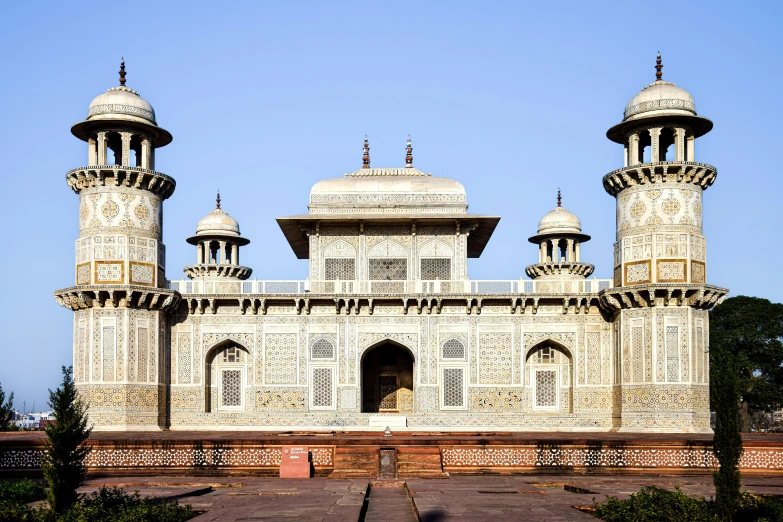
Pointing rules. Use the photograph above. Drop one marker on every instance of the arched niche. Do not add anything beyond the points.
(227, 377)
(387, 377)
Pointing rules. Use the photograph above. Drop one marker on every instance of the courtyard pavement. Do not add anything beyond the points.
(456, 498)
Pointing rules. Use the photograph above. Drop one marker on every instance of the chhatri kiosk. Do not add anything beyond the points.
(389, 329)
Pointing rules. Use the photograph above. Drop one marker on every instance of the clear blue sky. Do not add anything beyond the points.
(266, 98)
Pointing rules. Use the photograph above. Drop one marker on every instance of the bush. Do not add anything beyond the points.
(104, 505)
(653, 504)
(21, 491)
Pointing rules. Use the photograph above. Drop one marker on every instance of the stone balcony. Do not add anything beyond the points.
(699, 174)
(120, 175)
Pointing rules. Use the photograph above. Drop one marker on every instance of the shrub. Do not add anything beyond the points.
(653, 504)
(21, 491)
(104, 505)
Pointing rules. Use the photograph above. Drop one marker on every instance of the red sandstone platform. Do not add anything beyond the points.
(402, 455)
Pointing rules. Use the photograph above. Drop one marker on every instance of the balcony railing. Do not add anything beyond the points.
(461, 287)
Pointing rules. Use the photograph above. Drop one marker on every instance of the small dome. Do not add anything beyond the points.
(559, 221)
(121, 103)
(660, 99)
(217, 223)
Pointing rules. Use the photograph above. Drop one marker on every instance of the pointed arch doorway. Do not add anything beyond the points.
(387, 379)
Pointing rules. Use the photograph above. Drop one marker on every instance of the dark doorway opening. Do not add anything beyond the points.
(387, 380)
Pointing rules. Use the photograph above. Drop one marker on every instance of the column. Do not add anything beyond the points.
(145, 153)
(212, 255)
(634, 148)
(570, 251)
(126, 138)
(578, 253)
(679, 144)
(92, 152)
(542, 252)
(555, 252)
(101, 148)
(626, 150)
(691, 141)
(655, 144)
(234, 254)
(199, 253)
(222, 252)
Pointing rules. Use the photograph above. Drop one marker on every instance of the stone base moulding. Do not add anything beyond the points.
(431, 454)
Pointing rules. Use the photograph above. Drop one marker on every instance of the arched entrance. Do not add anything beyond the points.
(550, 368)
(227, 371)
(387, 379)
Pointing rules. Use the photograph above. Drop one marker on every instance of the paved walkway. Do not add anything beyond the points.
(474, 498)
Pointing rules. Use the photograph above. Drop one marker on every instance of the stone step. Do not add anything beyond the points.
(356, 462)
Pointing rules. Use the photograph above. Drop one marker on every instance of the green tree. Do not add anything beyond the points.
(63, 464)
(727, 443)
(6, 409)
(752, 329)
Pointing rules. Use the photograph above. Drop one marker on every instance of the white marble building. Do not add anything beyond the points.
(389, 330)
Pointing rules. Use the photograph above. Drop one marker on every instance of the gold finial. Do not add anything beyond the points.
(218, 199)
(409, 154)
(122, 72)
(658, 67)
(559, 198)
(366, 156)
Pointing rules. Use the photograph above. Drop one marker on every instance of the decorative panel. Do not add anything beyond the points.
(109, 273)
(495, 358)
(637, 273)
(593, 357)
(142, 274)
(184, 359)
(322, 349)
(671, 271)
(280, 359)
(672, 353)
(108, 344)
(83, 274)
(231, 388)
(637, 348)
(698, 272)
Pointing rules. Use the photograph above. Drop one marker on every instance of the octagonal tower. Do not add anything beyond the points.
(120, 295)
(660, 294)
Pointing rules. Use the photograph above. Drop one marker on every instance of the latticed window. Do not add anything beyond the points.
(340, 268)
(322, 349)
(388, 269)
(433, 269)
(453, 349)
(546, 355)
(232, 354)
(546, 389)
(322, 387)
(231, 388)
(453, 388)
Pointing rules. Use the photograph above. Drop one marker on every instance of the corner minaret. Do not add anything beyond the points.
(120, 297)
(559, 239)
(217, 241)
(660, 297)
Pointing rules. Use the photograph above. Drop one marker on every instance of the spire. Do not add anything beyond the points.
(409, 154)
(658, 67)
(559, 198)
(218, 200)
(366, 156)
(122, 72)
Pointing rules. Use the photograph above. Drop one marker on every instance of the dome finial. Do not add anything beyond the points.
(559, 198)
(218, 199)
(409, 154)
(658, 67)
(122, 72)
(366, 156)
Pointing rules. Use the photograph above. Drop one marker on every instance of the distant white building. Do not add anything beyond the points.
(35, 420)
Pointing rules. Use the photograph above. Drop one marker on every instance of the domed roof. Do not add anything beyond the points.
(122, 104)
(385, 188)
(560, 221)
(664, 101)
(217, 223)
(661, 98)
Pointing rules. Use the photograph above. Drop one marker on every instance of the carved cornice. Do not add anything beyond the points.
(699, 174)
(218, 270)
(120, 175)
(116, 296)
(565, 268)
(642, 296)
